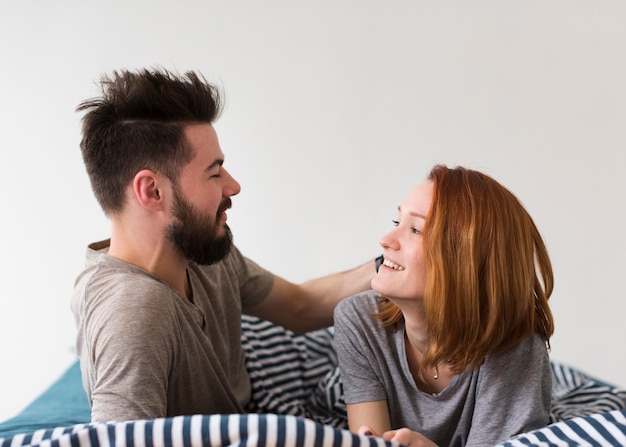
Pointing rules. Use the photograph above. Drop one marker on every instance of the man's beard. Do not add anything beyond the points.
(195, 235)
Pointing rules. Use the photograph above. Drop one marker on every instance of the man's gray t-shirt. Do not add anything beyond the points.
(508, 394)
(146, 351)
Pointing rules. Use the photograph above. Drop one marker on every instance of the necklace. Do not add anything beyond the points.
(436, 375)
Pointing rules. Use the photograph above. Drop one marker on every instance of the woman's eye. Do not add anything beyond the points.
(413, 229)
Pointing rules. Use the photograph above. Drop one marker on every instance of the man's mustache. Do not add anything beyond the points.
(226, 204)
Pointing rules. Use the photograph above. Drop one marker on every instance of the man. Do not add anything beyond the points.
(158, 307)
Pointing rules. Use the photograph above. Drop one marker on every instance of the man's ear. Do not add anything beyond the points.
(148, 188)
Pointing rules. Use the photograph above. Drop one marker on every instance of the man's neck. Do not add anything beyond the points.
(156, 255)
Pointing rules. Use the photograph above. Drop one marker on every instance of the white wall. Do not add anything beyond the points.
(335, 110)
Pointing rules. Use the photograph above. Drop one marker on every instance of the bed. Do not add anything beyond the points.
(297, 395)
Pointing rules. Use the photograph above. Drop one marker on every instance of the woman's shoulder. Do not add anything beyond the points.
(357, 313)
(531, 350)
(533, 344)
(358, 303)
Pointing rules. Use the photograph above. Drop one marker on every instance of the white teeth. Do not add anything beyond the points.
(391, 265)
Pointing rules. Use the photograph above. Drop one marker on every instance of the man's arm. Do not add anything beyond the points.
(310, 305)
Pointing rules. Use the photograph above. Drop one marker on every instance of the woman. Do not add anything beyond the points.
(451, 346)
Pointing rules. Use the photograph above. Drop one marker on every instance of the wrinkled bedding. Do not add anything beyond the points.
(297, 402)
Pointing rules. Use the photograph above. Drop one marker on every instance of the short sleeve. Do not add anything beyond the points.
(131, 353)
(357, 359)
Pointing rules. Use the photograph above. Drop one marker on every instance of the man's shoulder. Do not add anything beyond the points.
(110, 281)
(107, 270)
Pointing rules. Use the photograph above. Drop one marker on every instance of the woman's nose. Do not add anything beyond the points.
(389, 240)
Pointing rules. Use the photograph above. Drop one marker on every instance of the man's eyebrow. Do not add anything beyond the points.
(414, 214)
(216, 163)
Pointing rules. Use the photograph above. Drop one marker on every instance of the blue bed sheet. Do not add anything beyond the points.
(64, 403)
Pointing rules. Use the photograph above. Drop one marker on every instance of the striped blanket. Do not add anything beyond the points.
(297, 401)
(298, 375)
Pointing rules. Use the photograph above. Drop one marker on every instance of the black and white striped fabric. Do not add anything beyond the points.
(293, 374)
(575, 394)
(602, 429)
(253, 430)
(297, 401)
(261, 430)
(298, 375)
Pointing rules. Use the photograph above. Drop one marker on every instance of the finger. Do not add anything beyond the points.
(402, 436)
(389, 435)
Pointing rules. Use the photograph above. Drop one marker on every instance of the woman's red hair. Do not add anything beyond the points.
(489, 276)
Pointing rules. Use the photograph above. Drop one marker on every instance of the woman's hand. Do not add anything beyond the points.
(408, 437)
(402, 436)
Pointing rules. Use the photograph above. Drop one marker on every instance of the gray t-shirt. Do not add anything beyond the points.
(509, 394)
(146, 351)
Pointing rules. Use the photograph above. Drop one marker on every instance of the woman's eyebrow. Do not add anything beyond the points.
(414, 213)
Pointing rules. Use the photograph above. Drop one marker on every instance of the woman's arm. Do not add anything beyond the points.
(372, 419)
(369, 418)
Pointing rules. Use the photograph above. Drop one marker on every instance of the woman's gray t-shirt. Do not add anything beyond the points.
(509, 394)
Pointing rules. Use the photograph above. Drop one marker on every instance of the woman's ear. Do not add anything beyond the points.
(147, 187)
